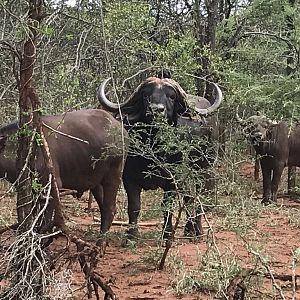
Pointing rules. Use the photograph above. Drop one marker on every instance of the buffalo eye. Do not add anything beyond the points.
(172, 97)
(145, 96)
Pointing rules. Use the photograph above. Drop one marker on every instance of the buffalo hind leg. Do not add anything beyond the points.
(98, 195)
(105, 195)
(168, 200)
(277, 172)
(108, 209)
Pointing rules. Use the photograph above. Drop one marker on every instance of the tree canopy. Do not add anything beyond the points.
(250, 47)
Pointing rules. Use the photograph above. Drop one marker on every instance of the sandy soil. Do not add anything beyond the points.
(131, 270)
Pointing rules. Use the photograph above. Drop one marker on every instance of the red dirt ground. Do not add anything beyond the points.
(134, 279)
(132, 273)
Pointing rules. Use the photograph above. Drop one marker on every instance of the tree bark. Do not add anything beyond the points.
(290, 70)
(291, 179)
(28, 118)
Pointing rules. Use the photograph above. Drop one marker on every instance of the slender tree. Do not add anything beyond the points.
(28, 116)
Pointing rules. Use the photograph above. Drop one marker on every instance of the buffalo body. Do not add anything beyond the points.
(165, 98)
(271, 143)
(88, 150)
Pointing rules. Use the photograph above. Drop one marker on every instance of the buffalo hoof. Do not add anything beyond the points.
(102, 244)
(167, 239)
(193, 230)
(132, 233)
(131, 237)
(266, 202)
(167, 235)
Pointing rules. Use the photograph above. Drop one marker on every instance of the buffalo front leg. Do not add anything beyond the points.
(134, 207)
(167, 203)
(98, 195)
(277, 172)
(105, 196)
(266, 174)
(194, 208)
(193, 226)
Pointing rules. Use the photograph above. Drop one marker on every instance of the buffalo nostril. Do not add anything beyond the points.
(158, 107)
(258, 134)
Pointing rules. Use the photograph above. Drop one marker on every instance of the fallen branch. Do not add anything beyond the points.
(143, 224)
(237, 289)
(68, 192)
(62, 192)
(283, 277)
(125, 223)
(88, 258)
(8, 227)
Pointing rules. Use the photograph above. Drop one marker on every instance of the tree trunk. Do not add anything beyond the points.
(256, 168)
(205, 32)
(290, 70)
(291, 180)
(28, 119)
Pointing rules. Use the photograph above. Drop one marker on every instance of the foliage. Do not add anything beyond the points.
(259, 60)
(82, 44)
(256, 61)
(212, 274)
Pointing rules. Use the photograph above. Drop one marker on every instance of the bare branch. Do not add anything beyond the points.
(272, 35)
(65, 134)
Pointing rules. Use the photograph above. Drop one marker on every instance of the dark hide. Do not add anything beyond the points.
(294, 157)
(163, 97)
(8, 168)
(155, 95)
(271, 145)
(94, 162)
(294, 147)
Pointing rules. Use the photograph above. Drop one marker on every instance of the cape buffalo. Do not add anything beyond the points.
(88, 149)
(294, 147)
(163, 97)
(294, 158)
(271, 143)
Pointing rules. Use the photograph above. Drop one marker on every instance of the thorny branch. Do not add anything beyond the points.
(270, 273)
(26, 261)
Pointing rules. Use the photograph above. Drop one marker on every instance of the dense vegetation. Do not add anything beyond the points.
(250, 47)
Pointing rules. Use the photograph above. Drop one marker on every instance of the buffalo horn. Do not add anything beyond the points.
(238, 118)
(273, 122)
(216, 104)
(107, 104)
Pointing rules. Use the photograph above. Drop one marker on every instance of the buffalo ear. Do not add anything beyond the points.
(2, 142)
(181, 105)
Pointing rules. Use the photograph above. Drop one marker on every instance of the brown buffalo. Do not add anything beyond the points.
(294, 157)
(271, 143)
(88, 149)
(294, 147)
